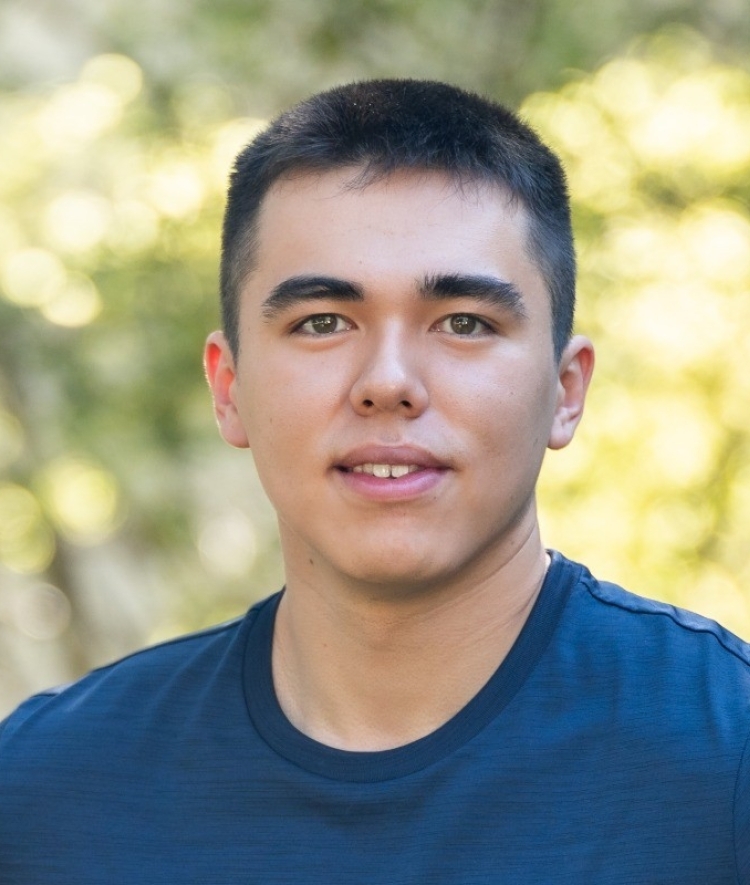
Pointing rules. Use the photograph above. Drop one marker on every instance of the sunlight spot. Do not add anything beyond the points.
(228, 544)
(682, 444)
(78, 113)
(32, 277)
(718, 240)
(82, 498)
(176, 189)
(77, 221)
(678, 323)
(76, 303)
(118, 73)
(27, 544)
(644, 249)
(624, 87)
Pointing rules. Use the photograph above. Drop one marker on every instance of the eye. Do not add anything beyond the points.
(464, 324)
(323, 324)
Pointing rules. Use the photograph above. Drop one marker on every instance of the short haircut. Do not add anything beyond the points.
(383, 126)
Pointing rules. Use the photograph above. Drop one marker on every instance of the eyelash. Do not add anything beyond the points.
(306, 327)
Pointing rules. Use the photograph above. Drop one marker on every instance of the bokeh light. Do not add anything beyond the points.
(658, 151)
(82, 499)
(27, 543)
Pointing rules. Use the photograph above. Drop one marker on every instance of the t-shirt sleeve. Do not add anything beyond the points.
(742, 818)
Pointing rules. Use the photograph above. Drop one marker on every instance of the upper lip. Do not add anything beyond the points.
(379, 454)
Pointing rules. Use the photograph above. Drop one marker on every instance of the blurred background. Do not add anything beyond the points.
(123, 517)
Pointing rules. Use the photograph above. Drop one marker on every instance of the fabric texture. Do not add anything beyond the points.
(611, 746)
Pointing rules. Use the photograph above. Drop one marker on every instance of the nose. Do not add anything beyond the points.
(390, 378)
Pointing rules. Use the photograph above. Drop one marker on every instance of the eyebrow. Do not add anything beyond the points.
(309, 288)
(434, 287)
(488, 289)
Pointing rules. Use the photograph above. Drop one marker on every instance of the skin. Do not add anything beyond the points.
(400, 323)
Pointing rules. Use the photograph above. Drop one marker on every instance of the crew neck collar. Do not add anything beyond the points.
(369, 767)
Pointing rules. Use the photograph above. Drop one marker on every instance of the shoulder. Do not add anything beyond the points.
(645, 627)
(698, 676)
(112, 754)
(125, 693)
(668, 672)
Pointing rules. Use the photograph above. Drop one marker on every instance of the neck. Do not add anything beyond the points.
(362, 671)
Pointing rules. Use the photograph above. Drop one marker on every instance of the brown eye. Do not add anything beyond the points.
(323, 324)
(463, 324)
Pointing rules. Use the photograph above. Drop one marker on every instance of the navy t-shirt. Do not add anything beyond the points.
(609, 748)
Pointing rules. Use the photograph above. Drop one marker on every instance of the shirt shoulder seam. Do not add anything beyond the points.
(637, 605)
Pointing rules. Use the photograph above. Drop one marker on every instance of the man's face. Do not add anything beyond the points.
(396, 380)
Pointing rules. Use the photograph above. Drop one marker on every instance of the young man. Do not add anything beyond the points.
(434, 698)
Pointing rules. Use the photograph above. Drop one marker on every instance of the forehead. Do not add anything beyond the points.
(309, 220)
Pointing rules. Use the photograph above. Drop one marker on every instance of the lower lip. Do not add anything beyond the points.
(392, 488)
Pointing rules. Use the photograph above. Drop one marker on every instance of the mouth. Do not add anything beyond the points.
(389, 462)
(391, 473)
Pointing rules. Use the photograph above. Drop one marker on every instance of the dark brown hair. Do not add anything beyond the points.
(386, 125)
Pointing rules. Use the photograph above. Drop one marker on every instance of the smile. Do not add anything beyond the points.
(386, 471)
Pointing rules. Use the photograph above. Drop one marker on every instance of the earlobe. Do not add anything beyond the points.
(219, 364)
(574, 374)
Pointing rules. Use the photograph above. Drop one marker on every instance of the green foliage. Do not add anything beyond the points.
(655, 492)
(108, 262)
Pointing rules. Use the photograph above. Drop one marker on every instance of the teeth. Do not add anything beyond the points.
(386, 471)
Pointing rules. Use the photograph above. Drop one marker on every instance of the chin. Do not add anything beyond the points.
(395, 576)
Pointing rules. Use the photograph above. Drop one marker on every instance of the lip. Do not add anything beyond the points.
(432, 471)
(378, 454)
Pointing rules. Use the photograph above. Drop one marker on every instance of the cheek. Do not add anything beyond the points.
(287, 407)
(489, 394)
(511, 413)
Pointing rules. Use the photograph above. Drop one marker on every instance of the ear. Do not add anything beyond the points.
(574, 374)
(219, 364)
